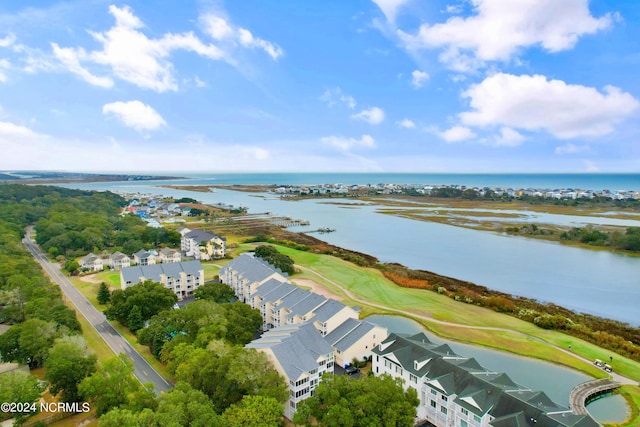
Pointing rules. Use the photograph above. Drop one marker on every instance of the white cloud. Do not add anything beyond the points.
(373, 115)
(7, 41)
(457, 134)
(218, 28)
(570, 148)
(335, 95)
(9, 132)
(70, 59)
(500, 29)
(508, 138)
(135, 114)
(418, 78)
(406, 123)
(390, 8)
(534, 103)
(131, 56)
(346, 144)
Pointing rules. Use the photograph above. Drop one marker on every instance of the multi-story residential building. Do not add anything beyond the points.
(456, 391)
(354, 339)
(301, 355)
(330, 315)
(118, 261)
(181, 277)
(143, 257)
(166, 255)
(202, 244)
(245, 273)
(92, 262)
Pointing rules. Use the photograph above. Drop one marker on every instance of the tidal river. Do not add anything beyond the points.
(590, 281)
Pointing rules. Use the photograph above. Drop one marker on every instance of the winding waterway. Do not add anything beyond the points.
(596, 282)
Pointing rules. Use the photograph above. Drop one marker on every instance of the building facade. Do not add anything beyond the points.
(181, 277)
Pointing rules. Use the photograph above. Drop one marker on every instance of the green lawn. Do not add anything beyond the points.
(370, 285)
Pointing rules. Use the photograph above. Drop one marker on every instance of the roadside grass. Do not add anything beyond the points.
(370, 285)
(90, 291)
(94, 341)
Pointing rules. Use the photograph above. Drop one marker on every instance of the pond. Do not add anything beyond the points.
(556, 381)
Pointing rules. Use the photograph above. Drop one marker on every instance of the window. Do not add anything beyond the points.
(433, 392)
(464, 411)
(463, 423)
(477, 418)
(433, 403)
(443, 397)
(413, 378)
(443, 409)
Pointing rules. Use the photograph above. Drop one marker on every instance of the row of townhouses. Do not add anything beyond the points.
(456, 391)
(306, 333)
(181, 277)
(198, 244)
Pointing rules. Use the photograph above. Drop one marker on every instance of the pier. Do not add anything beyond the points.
(589, 391)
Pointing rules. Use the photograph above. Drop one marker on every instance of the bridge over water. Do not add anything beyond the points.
(588, 391)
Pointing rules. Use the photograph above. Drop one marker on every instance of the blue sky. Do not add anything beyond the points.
(333, 86)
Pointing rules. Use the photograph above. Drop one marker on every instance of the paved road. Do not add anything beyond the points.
(142, 370)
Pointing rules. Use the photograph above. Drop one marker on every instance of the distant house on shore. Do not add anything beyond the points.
(118, 260)
(166, 255)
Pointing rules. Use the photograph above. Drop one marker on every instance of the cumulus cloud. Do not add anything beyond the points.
(220, 29)
(135, 114)
(499, 29)
(373, 115)
(335, 95)
(418, 78)
(456, 134)
(406, 123)
(7, 40)
(347, 144)
(534, 103)
(131, 56)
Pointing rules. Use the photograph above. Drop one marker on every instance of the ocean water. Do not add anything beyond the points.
(583, 181)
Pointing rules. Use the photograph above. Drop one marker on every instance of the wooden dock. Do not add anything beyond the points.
(588, 391)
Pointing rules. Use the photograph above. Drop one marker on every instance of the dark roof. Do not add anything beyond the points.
(202, 235)
(349, 333)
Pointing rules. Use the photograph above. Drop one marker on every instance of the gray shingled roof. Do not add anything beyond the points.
(348, 333)
(296, 347)
(266, 287)
(142, 254)
(327, 310)
(293, 297)
(306, 305)
(152, 272)
(201, 235)
(278, 293)
(251, 268)
(118, 256)
(494, 393)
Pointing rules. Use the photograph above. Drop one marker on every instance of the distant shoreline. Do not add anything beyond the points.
(32, 177)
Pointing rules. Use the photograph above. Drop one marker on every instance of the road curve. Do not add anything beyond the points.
(143, 371)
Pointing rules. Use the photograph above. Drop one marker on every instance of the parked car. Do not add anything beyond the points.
(352, 370)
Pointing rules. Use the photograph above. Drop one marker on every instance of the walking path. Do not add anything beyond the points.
(615, 376)
(582, 392)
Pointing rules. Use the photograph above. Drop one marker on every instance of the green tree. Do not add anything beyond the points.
(242, 323)
(104, 294)
(134, 319)
(275, 258)
(19, 386)
(113, 385)
(254, 411)
(68, 363)
(367, 401)
(150, 297)
(216, 292)
(71, 265)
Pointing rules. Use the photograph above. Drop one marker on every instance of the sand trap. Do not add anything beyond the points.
(317, 288)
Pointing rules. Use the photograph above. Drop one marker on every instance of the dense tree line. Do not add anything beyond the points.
(74, 222)
(271, 255)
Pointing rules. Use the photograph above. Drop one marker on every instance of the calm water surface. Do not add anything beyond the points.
(595, 282)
